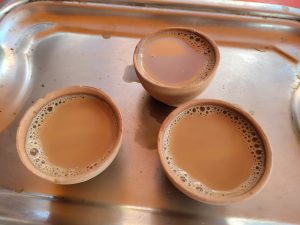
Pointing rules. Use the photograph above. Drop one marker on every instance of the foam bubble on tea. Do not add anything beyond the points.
(214, 150)
(71, 135)
(176, 56)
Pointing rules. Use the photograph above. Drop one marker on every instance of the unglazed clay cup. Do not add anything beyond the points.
(217, 159)
(71, 176)
(175, 94)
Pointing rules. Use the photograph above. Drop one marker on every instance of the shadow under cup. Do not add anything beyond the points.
(71, 135)
(214, 152)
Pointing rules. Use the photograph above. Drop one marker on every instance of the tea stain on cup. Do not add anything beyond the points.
(130, 75)
(152, 114)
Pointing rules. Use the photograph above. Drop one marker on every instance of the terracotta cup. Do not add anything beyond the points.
(195, 189)
(38, 106)
(177, 94)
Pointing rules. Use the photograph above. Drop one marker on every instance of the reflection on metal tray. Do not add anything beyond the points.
(46, 45)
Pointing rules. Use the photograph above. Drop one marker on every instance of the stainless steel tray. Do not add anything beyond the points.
(46, 45)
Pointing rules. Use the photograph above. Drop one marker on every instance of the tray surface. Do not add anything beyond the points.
(46, 45)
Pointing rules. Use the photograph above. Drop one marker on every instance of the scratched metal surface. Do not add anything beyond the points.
(46, 45)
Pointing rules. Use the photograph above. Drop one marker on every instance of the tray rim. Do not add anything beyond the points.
(229, 7)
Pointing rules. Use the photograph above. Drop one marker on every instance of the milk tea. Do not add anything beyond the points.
(215, 150)
(71, 135)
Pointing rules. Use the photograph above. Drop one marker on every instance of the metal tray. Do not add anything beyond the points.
(46, 45)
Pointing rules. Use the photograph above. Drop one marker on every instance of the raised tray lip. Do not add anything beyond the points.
(230, 7)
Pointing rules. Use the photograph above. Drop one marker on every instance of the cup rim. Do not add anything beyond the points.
(38, 105)
(202, 197)
(187, 86)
